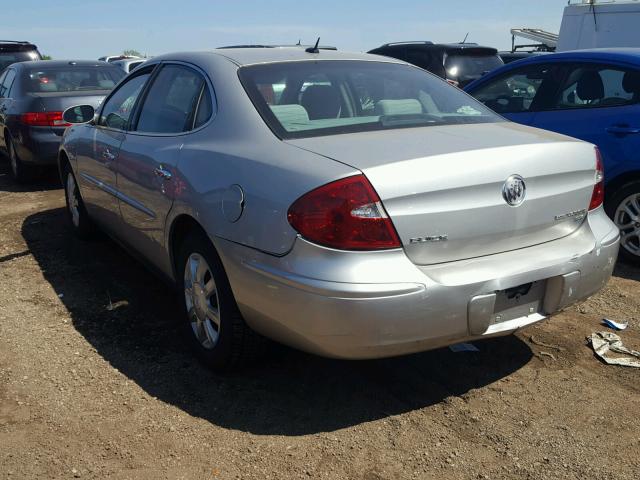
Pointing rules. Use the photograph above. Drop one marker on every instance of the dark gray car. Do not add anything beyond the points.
(33, 96)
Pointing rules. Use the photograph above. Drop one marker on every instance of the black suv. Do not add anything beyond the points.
(12, 52)
(458, 63)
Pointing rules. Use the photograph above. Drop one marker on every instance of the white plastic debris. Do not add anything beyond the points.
(463, 347)
(605, 342)
(615, 325)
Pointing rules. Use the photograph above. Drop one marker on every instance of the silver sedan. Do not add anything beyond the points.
(345, 204)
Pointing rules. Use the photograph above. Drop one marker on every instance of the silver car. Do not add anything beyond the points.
(349, 205)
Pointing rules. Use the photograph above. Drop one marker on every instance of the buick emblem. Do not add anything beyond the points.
(514, 190)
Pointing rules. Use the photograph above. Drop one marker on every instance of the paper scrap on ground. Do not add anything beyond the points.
(615, 325)
(463, 347)
(605, 342)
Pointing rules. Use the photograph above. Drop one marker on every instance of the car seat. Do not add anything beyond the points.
(631, 84)
(321, 101)
(590, 87)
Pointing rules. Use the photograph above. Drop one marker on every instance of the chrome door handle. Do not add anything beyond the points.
(162, 173)
(107, 155)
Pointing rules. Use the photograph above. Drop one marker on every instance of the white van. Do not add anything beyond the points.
(592, 24)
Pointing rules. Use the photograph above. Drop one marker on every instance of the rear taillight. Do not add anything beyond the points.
(346, 214)
(597, 198)
(43, 119)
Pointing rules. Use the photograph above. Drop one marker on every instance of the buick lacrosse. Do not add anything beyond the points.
(349, 205)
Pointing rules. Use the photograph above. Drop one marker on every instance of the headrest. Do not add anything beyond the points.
(48, 87)
(321, 101)
(590, 86)
(631, 82)
(404, 106)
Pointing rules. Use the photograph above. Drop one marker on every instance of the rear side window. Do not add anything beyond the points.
(429, 59)
(171, 103)
(205, 108)
(592, 86)
(71, 79)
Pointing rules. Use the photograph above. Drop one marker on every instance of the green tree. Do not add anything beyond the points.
(132, 53)
(46, 57)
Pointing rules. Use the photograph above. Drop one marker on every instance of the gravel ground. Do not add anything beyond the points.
(96, 383)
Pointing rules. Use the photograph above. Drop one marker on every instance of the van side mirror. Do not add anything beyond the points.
(79, 114)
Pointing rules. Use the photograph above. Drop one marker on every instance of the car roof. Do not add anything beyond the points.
(627, 55)
(249, 56)
(126, 61)
(62, 63)
(17, 44)
(430, 45)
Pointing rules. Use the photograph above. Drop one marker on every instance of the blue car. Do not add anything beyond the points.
(593, 95)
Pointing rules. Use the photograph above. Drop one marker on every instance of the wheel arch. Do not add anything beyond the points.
(181, 226)
(619, 181)
(63, 159)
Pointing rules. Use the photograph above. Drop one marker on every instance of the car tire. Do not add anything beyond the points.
(20, 172)
(79, 219)
(624, 209)
(216, 331)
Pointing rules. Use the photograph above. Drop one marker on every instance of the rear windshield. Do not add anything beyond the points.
(71, 79)
(328, 97)
(469, 67)
(7, 58)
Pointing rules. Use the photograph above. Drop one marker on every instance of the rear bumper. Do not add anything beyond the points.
(378, 304)
(38, 145)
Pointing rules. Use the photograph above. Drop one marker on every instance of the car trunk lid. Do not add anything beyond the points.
(443, 186)
(60, 101)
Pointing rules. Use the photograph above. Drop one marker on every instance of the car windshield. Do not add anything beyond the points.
(71, 79)
(328, 97)
(469, 67)
(7, 58)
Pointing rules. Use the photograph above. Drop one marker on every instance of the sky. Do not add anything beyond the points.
(88, 29)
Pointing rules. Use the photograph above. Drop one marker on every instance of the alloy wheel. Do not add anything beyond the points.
(627, 218)
(201, 297)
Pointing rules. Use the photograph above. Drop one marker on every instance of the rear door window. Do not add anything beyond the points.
(119, 106)
(2, 77)
(170, 105)
(593, 86)
(7, 83)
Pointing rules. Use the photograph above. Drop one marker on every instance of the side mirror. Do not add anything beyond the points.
(79, 114)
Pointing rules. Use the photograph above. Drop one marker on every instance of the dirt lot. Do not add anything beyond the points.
(95, 383)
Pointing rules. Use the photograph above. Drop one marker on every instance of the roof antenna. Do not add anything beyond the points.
(465, 38)
(314, 49)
